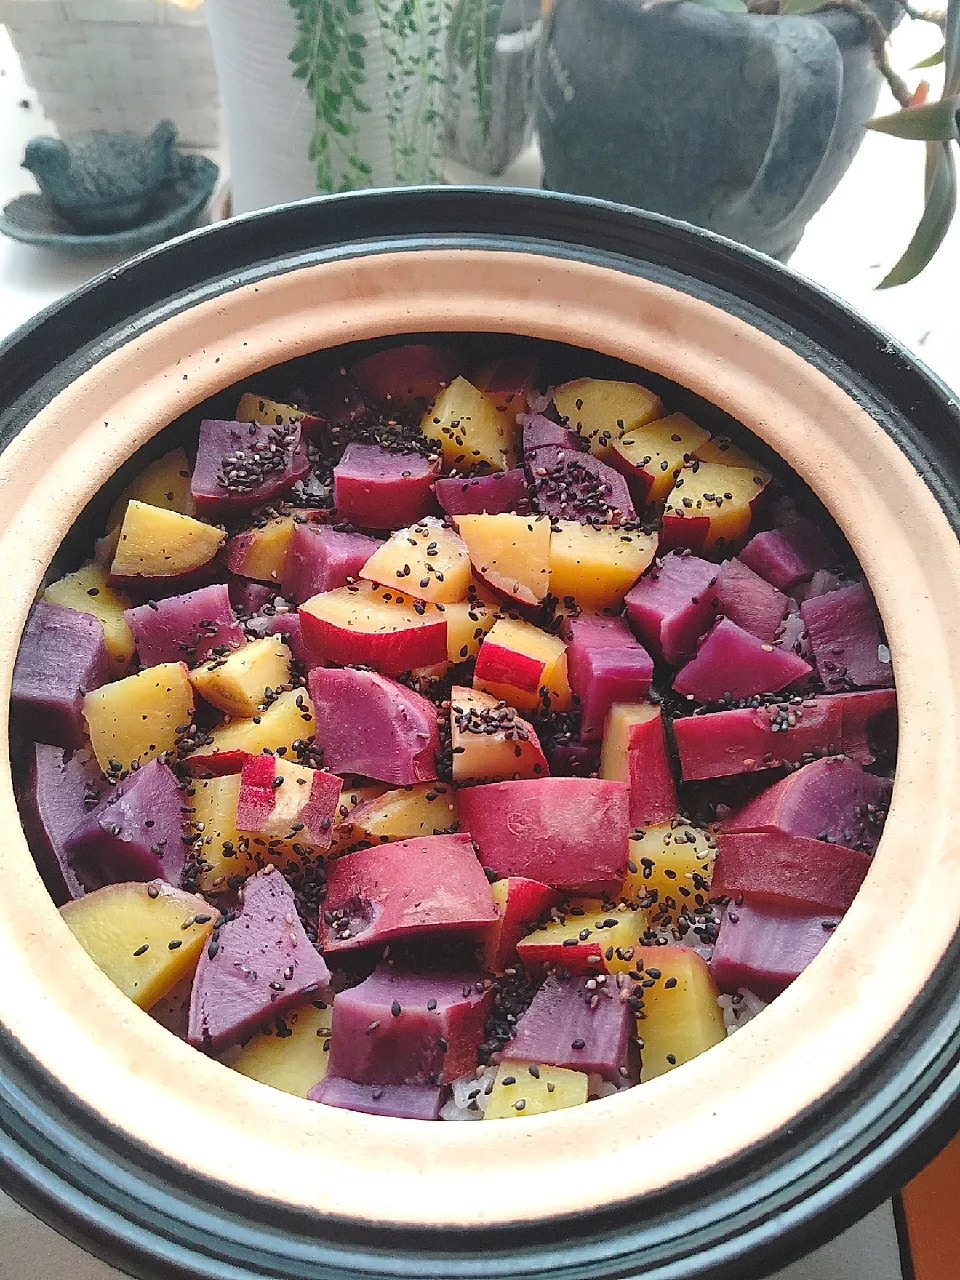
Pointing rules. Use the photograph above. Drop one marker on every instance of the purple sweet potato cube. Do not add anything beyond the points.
(566, 484)
(673, 605)
(561, 1029)
(763, 946)
(134, 833)
(483, 495)
(241, 465)
(789, 554)
(749, 739)
(62, 656)
(750, 601)
(376, 488)
(320, 558)
(56, 796)
(844, 629)
(573, 759)
(409, 1028)
(257, 966)
(249, 597)
(405, 1101)
(539, 431)
(605, 664)
(186, 628)
(732, 662)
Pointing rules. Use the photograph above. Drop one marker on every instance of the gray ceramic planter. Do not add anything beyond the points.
(739, 123)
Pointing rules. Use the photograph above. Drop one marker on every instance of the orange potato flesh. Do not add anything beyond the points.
(237, 683)
(164, 483)
(676, 1023)
(269, 413)
(606, 949)
(288, 719)
(88, 591)
(717, 500)
(520, 663)
(656, 453)
(596, 567)
(264, 552)
(293, 1061)
(127, 928)
(602, 411)
(429, 561)
(552, 1089)
(137, 718)
(510, 553)
(671, 864)
(512, 752)
(155, 543)
(223, 851)
(423, 809)
(470, 428)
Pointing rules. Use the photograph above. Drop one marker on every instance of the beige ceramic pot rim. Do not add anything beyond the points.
(218, 1124)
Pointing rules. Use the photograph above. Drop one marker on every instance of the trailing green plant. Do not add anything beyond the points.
(936, 124)
(361, 60)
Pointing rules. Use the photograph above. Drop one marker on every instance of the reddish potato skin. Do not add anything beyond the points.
(376, 489)
(763, 946)
(405, 889)
(406, 375)
(390, 652)
(741, 741)
(483, 495)
(509, 380)
(788, 868)
(869, 715)
(653, 795)
(570, 833)
(526, 902)
(499, 665)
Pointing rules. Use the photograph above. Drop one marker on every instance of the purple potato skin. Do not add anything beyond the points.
(185, 628)
(606, 664)
(374, 488)
(789, 554)
(52, 798)
(222, 443)
(762, 947)
(844, 630)
(560, 1029)
(62, 657)
(731, 661)
(569, 485)
(320, 559)
(673, 605)
(483, 495)
(404, 1101)
(750, 601)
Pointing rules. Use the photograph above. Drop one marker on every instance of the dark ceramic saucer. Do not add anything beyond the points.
(31, 218)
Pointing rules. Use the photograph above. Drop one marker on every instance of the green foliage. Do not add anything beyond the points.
(934, 60)
(940, 206)
(931, 122)
(473, 38)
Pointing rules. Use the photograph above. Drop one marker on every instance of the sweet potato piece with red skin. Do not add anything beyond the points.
(406, 375)
(869, 723)
(52, 799)
(831, 798)
(375, 488)
(483, 495)
(570, 833)
(405, 889)
(673, 605)
(605, 664)
(257, 966)
(278, 453)
(786, 868)
(523, 902)
(248, 597)
(789, 554)
(134, 833)
(371, 1044)
(539, 431)
(844, 629)
(560, 1017)
(333, 639)
(405, 1101)
(566, 484)
(750, 601)
(645, 765)
(742, 741)
(307, 799)
(186, 628)
(373, 726)
(763, 946)
(335, 402)
(62, 656)
(509, 380)
(731, 661)
(320, 558)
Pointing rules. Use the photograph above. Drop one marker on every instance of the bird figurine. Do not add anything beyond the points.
(102, 182)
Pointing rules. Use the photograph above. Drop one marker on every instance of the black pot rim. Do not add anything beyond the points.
(763, 1207)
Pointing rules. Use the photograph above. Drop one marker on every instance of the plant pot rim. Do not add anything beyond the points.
(832, 1116)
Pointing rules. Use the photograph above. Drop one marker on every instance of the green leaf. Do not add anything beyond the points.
(941, 204)
(933, 122)
(301, 72)
(951, 49)
(356, 41)
(933, 61)
(355, 58)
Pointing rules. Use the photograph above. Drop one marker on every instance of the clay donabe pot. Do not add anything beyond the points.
(166, 1163)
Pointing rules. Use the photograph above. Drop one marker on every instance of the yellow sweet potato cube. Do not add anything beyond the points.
(653, 456)
(137, 718)
(293, 1053)
(519, 1091)
(155, 543)
(164, 483)
(428, 560)
(597, 566)
(269, 413)
(237, 682)
(612, 937)
(680, 1017)
(423, 809)
(222, 851)
(675, 861)
(711, 505)
(88, 591)
(601, 410)
(470, 428)
(128, 930)
(510, 553)
(722, 449)
(261, 553)
(287, 720)
(522, 665)
(468, 621)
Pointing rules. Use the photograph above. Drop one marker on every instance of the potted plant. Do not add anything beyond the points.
(738, 115)
(336, 95)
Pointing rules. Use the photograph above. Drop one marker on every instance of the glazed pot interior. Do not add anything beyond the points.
(211, 1121)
